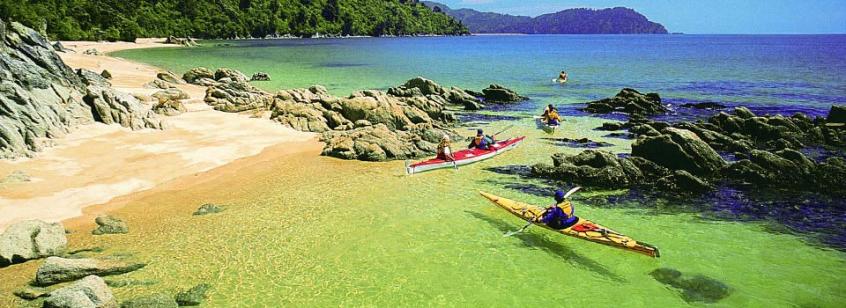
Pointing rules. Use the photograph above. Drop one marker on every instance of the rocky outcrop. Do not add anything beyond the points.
(56, 269)
(837, 114)
(184, 41)
(628, 101)
(260, 76)
(31, 239)
(109, 225)
(767, 151)
(170, 108)
(42, 98)
(499, 95)
(90, 291)
(196, 74)
(227, 74)
(92, 52)
(169, 77)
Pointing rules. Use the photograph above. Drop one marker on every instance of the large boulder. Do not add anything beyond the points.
(184, 41)
(379, 143)
(628, 101)
(31, 239)
(112, 107)
(197, 73)
(227, 74)
(169, 77)
(682, 181)
(837, 114)
(498, 94)
(170, 108)
(591, 168)
(260, 76)
(90, 291)
(426, 86)
(679, 149)
(170, 94)
(107, 224)
(55, 269)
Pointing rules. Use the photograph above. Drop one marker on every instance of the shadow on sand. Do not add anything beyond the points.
(535, 241)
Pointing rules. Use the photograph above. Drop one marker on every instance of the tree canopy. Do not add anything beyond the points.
(130, 19)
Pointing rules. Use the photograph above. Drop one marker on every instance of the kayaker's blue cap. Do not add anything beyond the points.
(479, 132)
(559, 194)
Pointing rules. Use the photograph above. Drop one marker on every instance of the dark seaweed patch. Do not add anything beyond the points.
(694, 289)
(577, 143)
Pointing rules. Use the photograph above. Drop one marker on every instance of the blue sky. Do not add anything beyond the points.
(703, 16)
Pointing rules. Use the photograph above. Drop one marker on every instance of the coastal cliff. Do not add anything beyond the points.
(42, 98)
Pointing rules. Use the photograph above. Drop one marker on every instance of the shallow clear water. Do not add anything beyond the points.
(354, 233)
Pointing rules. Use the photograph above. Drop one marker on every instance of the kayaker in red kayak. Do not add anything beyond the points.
(554, 216)
(481, 141)
(445, 149)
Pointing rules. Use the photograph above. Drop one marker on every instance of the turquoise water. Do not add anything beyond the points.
(318, 231)
(799, 72)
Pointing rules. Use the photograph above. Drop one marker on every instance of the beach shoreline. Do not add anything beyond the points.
(96, 163)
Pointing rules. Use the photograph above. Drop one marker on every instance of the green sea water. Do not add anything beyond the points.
(318, 231)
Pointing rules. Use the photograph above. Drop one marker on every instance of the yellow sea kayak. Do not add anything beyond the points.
(583, 229)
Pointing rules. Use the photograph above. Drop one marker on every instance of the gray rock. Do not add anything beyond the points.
(40, 95)
(56, 269)
(159, 84)
(57, 46)
(169, 77)
(837, 114)
(30, 293)
(679, 149)
(184, 41)
(109, 225)
(157, 300)
(90, 291)
(197, 73)
(31, 239)
(92, 78)
(682, 181)
(170, 94)
(208, 208)
(498, 94)
(260, 76)
(92, 52)
(113, 107)
(629, 101)
(231, 74)
(169, 108)
(743, 112)
(193, 296)
(106, 74)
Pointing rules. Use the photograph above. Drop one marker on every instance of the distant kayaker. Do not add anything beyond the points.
(481, 141)
(562, 77)
(445, 149)
(550, 115)
(555, 217)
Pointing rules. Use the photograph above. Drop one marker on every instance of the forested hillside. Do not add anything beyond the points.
(128, 19)
(618, 20)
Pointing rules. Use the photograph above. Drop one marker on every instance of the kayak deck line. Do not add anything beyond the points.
(584, 229)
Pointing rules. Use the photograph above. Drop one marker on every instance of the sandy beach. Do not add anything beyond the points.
(97, 163)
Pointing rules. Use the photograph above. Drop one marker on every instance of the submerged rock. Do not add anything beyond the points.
(109, 225)
(193, 296)
(694, 289)
(56, 269)
(704, 105)
(628, 101)
(31, 239)
(837, 114)
(90, 291)
(157, 300)
(208, 208)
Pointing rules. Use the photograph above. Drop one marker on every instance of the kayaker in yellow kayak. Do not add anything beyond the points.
(481, 141)
(555, 217)
(550, 115)
(445, 149)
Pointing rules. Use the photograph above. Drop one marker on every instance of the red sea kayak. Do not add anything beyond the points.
(465, 157)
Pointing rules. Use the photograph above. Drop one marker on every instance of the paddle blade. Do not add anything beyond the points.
(572, 191)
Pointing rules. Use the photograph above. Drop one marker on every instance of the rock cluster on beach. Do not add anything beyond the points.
(31, 239)
(403, 122)
(628, 101)
(764, 151)
(184, 41)
(42, 98)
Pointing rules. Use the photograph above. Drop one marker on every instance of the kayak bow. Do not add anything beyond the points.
(583, 229)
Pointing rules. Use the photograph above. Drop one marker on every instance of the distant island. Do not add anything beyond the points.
(618, 20)
(126, 20)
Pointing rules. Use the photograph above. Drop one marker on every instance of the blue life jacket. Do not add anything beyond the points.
(556, 218)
